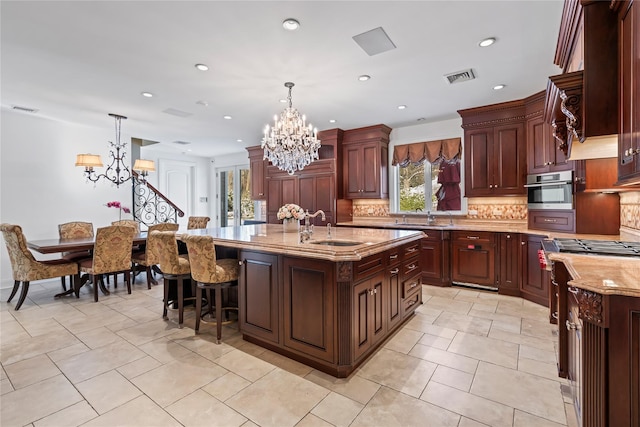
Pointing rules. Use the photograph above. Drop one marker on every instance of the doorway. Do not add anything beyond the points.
(176, 181)
(234, 196)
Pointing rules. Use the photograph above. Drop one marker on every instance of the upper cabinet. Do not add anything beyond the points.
(583, 101)
(258, 167)
(543, 154)
(365, 163)
(629, 92)
(495, 152)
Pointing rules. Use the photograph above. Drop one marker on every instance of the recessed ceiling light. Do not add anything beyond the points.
(332, 120)
(226, 117)
(202, 67)
(364, 78)
(402, 107)
(487, 42)
(498, 87)
(238, 140)
(147, 94)
(284, 101)
(290, 24)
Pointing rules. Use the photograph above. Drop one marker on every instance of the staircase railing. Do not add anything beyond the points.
(150, 206)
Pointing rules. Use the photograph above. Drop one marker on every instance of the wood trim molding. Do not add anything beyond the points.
(345, 271)
(591, 306)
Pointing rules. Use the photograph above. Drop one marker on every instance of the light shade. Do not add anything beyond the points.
(89, 160)
(144, 165)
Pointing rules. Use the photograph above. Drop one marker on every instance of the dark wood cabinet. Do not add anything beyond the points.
(308, 307)
(552, 220)
(259, 294)
(535, 280)
(543, 154)
(318, 192)
(629, 92)
(395, 289)
(369, 314)
(258, 168)
(365, 163)
(280, 190)
(510, 260)
(473, 258)
(495, 149)
(435, 254)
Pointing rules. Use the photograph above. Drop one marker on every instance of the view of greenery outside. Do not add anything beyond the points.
(413, 191)
(246, 204)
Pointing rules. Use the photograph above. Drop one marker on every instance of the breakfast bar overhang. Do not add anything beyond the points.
(328, 302)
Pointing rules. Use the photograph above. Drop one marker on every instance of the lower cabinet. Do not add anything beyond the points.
(435, 251)
(473, 258)
(258, 285)
(395, 290)
(369, 314)
(535, 280)
(510, 261)
(309, 300)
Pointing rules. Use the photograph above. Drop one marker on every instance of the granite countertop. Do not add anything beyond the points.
(271, 238)
(606, 275)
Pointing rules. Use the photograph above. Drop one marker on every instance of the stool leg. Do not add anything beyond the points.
(180, 302)
(198, 306)
(23, 294)
(166, 297)
(218, 313)
(16, 286)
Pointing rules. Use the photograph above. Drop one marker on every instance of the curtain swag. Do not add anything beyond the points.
(404, 155)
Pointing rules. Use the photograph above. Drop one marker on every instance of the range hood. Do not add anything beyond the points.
(594, 147)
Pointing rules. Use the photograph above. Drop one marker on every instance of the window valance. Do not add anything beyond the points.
(403, 155)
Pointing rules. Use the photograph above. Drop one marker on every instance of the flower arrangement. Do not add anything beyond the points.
(116, 204)
(291, 210)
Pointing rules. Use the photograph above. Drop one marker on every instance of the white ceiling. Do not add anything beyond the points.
(78, 61)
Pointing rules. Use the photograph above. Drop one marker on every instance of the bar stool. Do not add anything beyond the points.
(173, 266)
(210, 274)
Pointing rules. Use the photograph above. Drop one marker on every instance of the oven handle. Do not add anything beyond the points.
(547, 184)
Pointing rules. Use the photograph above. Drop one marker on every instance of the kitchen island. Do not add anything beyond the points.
(328, 302)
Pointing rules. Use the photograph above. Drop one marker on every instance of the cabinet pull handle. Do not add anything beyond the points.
(570, 325)
(473, 237)
(413, 285)
(411, 250)
(554, 315)
(572, 290)
(550, 220)
(411, 267)
(241, 262)
(412, 303)
(373, 291)
(394, 256)
(395, 271)
(523, 243)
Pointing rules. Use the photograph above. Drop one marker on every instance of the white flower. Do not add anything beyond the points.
(291, 210)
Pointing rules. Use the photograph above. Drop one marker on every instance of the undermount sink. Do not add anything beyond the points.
(335, 242)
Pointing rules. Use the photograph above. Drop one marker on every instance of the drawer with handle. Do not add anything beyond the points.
(473, 236)
(411, 303)
(411, 286)
(410, 266)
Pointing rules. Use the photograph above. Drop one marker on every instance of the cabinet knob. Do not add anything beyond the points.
(523, 243)
(395, 271)
(490, 185)
(508, 236)
(241, 262)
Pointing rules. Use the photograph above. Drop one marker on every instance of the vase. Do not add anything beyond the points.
(290, 225)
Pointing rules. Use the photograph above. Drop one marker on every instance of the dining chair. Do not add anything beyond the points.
(74, 230)
(149, 257)
(196, 222)
(210, 274)
(129, 223)
(111, 254)
(174, 267)
(26, 268)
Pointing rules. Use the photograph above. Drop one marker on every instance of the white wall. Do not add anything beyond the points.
(419, 133)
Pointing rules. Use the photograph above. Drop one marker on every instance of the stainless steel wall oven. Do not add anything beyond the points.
(550, 190)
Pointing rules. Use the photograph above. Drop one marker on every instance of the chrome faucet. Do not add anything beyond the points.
(307, 230)
(328, 230)
(450, 218)
(404, 219)
(430, 218)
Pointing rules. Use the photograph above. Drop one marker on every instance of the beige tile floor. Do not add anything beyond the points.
(467, 358)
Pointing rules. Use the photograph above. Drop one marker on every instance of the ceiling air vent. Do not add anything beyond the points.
(24, 109)
(460, 76)
(175, 112)
(181, 142)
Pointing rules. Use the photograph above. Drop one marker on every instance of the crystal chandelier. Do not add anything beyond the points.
(117, 165)
(290, 144)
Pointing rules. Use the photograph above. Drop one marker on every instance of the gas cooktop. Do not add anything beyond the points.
(598, 247)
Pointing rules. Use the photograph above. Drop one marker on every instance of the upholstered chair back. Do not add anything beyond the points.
(112, 250)
(151, 254)
(204, 266)
(166, 247)
(75, 230)
(196, 222)
(24, 265)
(129, 223)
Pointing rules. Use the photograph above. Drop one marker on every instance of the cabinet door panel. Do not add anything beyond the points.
(352, 171)
(325, 198)
(535, 281)
(510, 264)
(290, 190)
(308, 307)
(307, 188)
(537, 141)
(508, 148)
(395, 296)
(361, 318)
(259, 293)
(370, 171)
(477, 148)
(379, 308)
(474, 265)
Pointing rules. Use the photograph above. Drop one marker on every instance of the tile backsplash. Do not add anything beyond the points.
(630, 210)
(497, 208)
(370, 208)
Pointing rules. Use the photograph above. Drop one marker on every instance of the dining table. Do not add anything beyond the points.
(58, 245)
